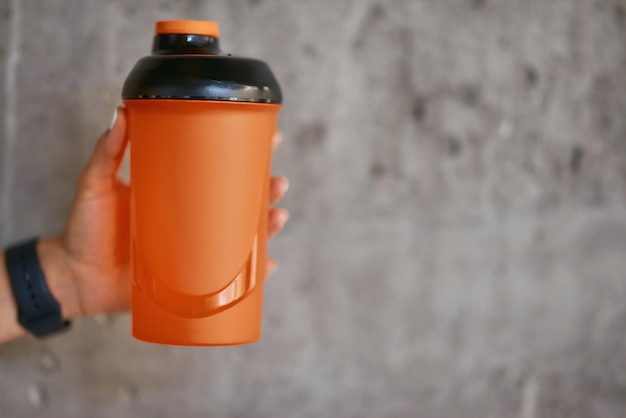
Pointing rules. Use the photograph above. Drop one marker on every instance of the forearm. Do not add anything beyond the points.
(53, 260)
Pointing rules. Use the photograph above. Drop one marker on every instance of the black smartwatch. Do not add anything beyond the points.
(37, 310)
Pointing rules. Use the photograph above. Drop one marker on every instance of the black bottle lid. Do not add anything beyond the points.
(186, 63)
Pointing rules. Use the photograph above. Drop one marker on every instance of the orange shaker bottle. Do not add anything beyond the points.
(200, 125)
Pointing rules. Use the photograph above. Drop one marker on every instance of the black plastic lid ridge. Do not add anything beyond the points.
(191, 66)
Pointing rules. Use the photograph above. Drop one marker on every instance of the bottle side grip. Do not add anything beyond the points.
(197, 306)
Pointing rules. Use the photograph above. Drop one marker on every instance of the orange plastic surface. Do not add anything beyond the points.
(188, 27)
(199, 201)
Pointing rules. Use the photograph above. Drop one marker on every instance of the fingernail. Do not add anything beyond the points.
(113, 119)
(285, 184)
(274, 269)
(285, 215)
(278, 138)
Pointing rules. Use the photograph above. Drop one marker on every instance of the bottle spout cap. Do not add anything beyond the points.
(187, 27)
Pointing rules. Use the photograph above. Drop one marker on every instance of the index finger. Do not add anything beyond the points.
(277, 138)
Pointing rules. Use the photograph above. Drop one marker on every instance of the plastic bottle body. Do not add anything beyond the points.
(199, 200)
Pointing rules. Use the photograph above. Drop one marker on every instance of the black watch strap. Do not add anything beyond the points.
(38, 311)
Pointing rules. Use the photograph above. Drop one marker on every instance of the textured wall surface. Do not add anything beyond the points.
(457, 242)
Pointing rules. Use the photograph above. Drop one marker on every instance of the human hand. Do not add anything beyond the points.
(96, 239)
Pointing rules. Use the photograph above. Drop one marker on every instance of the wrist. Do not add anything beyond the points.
(55, 263)
(9, 326)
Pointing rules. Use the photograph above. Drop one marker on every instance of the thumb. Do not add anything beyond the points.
(109, 151)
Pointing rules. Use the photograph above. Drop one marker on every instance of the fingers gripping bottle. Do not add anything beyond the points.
(200, 125)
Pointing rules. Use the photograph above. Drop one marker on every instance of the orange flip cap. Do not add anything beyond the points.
(188, 27)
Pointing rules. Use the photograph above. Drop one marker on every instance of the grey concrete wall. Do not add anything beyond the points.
(457, 244)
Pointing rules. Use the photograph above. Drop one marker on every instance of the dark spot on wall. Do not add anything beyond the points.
(377, 11)
(602, 102)
(454, 146)
(358, 43)
(290, 78)
(419, 108)
(504, 42)
(8, 12)
(88, 43)
(193, 3)
(378, 170)
(470, 95)
(598, 194)
(310, 50)
(129, 392)
(619, 13)
(130, 10)
(311, 136)
(529, 166)
(478, 4)
(558, 168)
(531, 76)
(576, 158)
